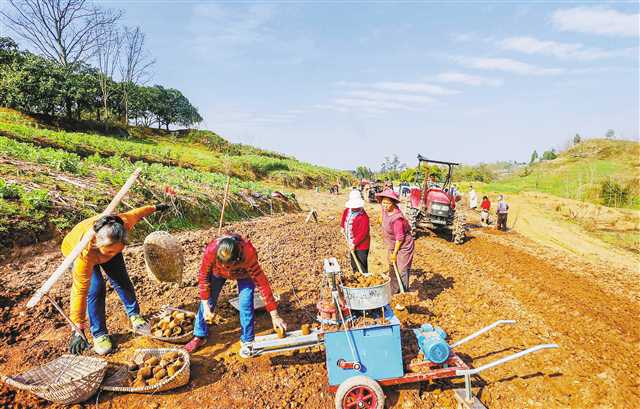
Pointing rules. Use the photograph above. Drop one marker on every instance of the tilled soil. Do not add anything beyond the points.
(555, 299)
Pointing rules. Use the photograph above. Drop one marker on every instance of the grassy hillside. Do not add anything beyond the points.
(597, 171)
(52, 178)
(202, 150)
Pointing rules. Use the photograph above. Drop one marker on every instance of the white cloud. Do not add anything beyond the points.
(531, 45)
(467, 79)
(596, 20)
(507, 65)
(386, 96)
(414, 87)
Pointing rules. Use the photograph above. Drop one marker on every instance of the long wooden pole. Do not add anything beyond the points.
(400, 285)
(353, 254)
(68, 261)
(224, 204)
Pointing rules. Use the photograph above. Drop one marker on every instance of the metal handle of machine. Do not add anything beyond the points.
(473, 371)
(482, 331)
(349, 365)
(506, 359)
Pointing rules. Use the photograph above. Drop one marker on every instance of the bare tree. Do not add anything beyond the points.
(62, 30)
(135, 64)
(107, 54)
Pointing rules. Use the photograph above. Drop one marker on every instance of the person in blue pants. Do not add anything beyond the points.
(116, 271)
(232, 257)
(246, 288)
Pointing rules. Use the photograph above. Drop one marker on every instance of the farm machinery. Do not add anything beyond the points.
(363, 345)
(433, 207)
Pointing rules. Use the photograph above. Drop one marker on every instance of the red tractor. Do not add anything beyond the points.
(434, 206)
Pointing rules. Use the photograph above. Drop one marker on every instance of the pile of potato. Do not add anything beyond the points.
(173, 325)
(154, 369)
(361, 281)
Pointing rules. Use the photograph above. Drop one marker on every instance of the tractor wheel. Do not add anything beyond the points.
(360, 392)
(458, 230)
(412, 217)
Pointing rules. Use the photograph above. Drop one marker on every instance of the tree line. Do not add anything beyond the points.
(87, 67)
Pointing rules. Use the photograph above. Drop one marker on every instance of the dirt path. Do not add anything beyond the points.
(555, 297)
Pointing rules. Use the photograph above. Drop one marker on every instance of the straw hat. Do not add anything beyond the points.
(388, 193)
(355, 200)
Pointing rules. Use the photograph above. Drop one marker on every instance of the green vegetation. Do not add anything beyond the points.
(32, 83)
(202, 150)
(50, 178)
(597, 171)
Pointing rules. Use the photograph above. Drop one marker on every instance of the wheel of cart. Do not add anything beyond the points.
(360, 392)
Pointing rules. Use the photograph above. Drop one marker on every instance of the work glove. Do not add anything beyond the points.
(161, 207)
(277, 321)
(77, 344)
(206, 309)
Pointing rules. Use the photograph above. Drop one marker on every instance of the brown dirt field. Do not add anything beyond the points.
(555, 297)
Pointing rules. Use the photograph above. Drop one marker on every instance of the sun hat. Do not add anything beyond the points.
(388, 193)
(355, 200)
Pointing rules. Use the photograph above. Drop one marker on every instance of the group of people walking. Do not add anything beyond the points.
(502, 209)
(396, 235)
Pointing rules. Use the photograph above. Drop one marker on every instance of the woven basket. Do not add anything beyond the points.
(66, 380)
(163, 257)
(118, 381)
(166, 310)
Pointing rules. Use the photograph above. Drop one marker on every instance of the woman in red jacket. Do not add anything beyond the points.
(232, 258)
(484, 213)
(355, 227)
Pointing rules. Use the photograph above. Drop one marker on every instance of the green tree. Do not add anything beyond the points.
(610, 134)
(363, 172)
(534, 157)
(549, 155)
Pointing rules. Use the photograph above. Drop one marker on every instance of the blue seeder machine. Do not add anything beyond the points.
(362, 359)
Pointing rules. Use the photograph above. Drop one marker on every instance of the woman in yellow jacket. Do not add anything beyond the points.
(102, 254)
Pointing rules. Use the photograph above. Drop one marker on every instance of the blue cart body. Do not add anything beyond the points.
(378, 349)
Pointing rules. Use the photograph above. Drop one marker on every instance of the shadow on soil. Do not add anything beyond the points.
(430, 285)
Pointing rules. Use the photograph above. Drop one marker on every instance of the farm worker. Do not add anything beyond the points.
(355, 227)
(502, 213)
(102, 254)
(232, 257)
(396, 233)
(473, 199)
(485, 206)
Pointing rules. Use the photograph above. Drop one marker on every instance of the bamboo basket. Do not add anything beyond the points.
(68, 379)
(117, 381)
(163, 257)
(166, 310)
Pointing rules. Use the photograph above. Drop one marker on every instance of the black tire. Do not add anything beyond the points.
(374, 395)
(412, 215)
(458, 229)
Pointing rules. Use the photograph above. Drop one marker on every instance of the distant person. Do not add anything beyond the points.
(396, 233)
(473, 199)
(485, 207)
(502, 212)
(355, 227)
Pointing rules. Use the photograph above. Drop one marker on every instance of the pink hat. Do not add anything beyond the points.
(388, 193)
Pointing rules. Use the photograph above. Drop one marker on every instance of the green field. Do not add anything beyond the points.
(51, 178)
(580, 172)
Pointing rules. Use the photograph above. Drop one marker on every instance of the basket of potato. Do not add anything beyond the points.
(172, 325)
(151, 370)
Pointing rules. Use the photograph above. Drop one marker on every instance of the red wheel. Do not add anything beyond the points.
(359, 392)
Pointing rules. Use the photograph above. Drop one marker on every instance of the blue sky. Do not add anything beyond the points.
(344, 84)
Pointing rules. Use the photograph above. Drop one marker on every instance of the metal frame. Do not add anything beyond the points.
(439, 162)
(455, 366)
